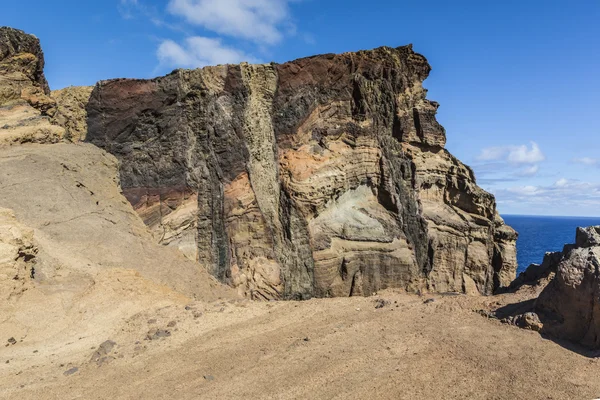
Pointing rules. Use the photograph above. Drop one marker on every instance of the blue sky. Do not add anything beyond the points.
(518, 81)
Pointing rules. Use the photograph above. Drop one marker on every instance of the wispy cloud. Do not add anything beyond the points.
(517, 155)
(568, 194)
(127, 8)
(262, 21)
(199, 51)
(520, 161)
(532, 170)
(591, 162)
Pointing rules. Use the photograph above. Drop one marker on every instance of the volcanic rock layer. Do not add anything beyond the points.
(325, 176)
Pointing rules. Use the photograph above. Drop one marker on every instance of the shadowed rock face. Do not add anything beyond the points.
(570, 305)
(325, 176)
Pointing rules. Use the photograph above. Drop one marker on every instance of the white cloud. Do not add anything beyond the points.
(516, 155)
(500, 162)
(562, 182)
(592, 162)
(565, 196)
(198, 52)
(531, 170)
(524, 190)
(261, 21)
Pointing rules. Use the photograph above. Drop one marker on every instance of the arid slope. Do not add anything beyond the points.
(320, 349)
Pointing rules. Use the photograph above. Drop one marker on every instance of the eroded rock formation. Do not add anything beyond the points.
(29, 112)
(26, 108)
(325, 176)
(570, 305)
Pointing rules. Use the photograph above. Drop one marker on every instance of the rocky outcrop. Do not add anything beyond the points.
(71, 103)
(29, 112)
(325, 176)
(538, 274)
(569, 306)
(22, 65)
(26, 108)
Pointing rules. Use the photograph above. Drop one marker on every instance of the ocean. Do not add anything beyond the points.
(538, 234)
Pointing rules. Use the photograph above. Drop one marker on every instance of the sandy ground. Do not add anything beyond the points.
(319, 349)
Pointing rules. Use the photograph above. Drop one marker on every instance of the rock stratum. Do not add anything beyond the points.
(325, 176)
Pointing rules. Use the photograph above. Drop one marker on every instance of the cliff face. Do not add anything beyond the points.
(325, 176)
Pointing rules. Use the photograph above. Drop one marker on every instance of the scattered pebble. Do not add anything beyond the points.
(101, 356)
(209, 377)
(71, 371)
(156, 334)
(428, 301)
(380, 303)
(12, 341)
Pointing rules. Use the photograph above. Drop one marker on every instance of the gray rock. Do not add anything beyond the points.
(101, 355)
(588, 237)
(71, 371)
(569, 306)
(155, 334)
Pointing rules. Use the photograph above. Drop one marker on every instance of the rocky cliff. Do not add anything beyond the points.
(26, 108)
(29, 112)
(325, 176)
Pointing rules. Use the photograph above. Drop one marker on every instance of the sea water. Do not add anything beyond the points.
(539, 234)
